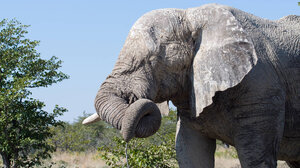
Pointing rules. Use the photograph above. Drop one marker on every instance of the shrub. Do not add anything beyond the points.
(155, 151)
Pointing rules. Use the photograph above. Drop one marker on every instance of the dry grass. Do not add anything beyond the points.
(235, 163)
(221, 162)
(74, 160)
(225, 158)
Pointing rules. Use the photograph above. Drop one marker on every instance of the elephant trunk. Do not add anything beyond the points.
(110, 108)
(139, 119)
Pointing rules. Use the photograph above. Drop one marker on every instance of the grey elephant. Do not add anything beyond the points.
(232, 76)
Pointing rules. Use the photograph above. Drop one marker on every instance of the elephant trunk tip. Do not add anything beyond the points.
(142, 119)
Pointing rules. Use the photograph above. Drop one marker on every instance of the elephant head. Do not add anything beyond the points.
(173, 54)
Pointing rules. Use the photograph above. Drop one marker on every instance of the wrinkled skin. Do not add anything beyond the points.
(231, 75)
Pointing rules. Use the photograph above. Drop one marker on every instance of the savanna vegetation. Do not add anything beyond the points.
(103, 146)
(106, 143)
(100, 145)
(24, 125)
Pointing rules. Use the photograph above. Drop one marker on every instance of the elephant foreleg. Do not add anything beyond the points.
(193, 149)
(258, 134)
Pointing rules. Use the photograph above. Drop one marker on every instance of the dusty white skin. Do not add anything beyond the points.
(231, 75)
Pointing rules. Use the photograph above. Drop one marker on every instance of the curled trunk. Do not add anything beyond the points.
(142, 119)
(139, 119)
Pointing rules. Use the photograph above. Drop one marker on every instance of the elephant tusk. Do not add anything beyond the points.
(91, 119)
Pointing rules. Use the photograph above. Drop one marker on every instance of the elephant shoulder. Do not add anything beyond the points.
(290, 18)
(291, 21)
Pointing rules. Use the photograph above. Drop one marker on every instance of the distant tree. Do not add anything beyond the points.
(24, 125)
(75, 137)
(298, 3)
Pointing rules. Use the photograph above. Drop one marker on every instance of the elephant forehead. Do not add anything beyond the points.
(160, 24)
(157, 17)
(153, 29)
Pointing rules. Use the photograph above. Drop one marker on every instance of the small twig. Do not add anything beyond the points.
(126, 155)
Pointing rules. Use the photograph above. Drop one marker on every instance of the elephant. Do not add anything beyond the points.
(232, 76)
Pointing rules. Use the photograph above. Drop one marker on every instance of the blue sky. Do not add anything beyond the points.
(88, 35)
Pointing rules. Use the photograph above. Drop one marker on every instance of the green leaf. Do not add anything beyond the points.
(155, 151)
(24, 126)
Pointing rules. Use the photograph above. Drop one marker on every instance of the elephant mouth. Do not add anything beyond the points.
(141, 118)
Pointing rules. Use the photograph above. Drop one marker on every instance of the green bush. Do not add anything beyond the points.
(76, 137)
(155, 151)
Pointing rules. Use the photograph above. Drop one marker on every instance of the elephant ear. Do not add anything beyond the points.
(224, 54)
